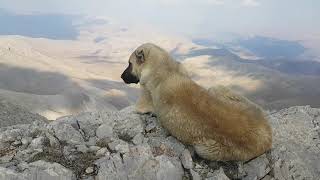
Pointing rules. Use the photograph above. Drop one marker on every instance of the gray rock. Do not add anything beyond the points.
(150, 126)
(16, 143)
(140, 163)
(67, 150)
(54, 142)
(37, 143)
(94, 148)
(280, 170)
(138, 139)
(119, 146)
(6, 158)
(82, 148)
(12, 114)
(10, 174)
(136, 154)
(111, 168)
(268, 177)
(186, 159)
(168, 169)
(195, 175)
(22, 166)
(218, 175)
(46, 170)
(89, 170)
(10, 134)
(88, 122)
(101, 152)
(92, 141)
(128, 124)
(26, 140)
(38, 170)
(294, 150)
(66, 133)
(257, 168)
(104, 131)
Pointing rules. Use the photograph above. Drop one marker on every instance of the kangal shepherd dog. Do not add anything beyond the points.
(218, 123)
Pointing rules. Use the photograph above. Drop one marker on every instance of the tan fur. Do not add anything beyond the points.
(218, 123)
(144, 103)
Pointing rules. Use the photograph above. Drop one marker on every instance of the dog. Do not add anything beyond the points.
(218, 123)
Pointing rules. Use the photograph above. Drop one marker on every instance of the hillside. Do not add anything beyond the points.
(59, 77)
(11, 114)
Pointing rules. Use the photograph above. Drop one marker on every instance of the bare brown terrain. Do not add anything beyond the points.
(60, 77)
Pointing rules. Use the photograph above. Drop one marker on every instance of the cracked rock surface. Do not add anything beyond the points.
(125, 145)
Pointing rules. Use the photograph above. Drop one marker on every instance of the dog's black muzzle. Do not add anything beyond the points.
(128, 77)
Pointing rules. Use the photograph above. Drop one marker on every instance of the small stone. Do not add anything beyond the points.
(218, 175)
(280, 171)
(26, 141)
(119, 146)
(283, 149)
(48, 170)
(101, 152)
(316, 128)
(82, 148)
(138, 139)
(168, 169)
(151, 126)
(6, 158)
(67, 150)
(198, 166)
(94, 148)
(195, 175)
(37, 143)
(186, 159)
(104, 131)
(54, 142)
(89, 170)
(38, 150)
(88, 178)
(16, 143)
(257, 168)
(22, 166)
(92, 141)
(65, 132)
(267, 177)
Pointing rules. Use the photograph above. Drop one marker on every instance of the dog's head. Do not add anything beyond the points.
(144, 57)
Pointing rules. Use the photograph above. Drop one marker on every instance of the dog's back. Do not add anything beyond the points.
(218, 129)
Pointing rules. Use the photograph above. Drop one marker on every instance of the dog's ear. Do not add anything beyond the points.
(140, 56)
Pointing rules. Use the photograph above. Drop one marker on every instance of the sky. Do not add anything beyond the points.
(290, 19)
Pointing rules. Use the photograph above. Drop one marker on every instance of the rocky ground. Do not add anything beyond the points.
(11, 114)
(125, 145)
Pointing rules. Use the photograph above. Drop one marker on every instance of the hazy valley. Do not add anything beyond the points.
(60, 75)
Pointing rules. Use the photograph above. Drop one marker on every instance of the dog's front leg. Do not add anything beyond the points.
(144, 104)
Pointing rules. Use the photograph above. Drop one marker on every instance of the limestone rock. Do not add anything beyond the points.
(126, 145)
(186, 159)
(104, 131)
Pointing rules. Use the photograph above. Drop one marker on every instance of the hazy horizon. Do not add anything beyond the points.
(287, 20)
(200, 17)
